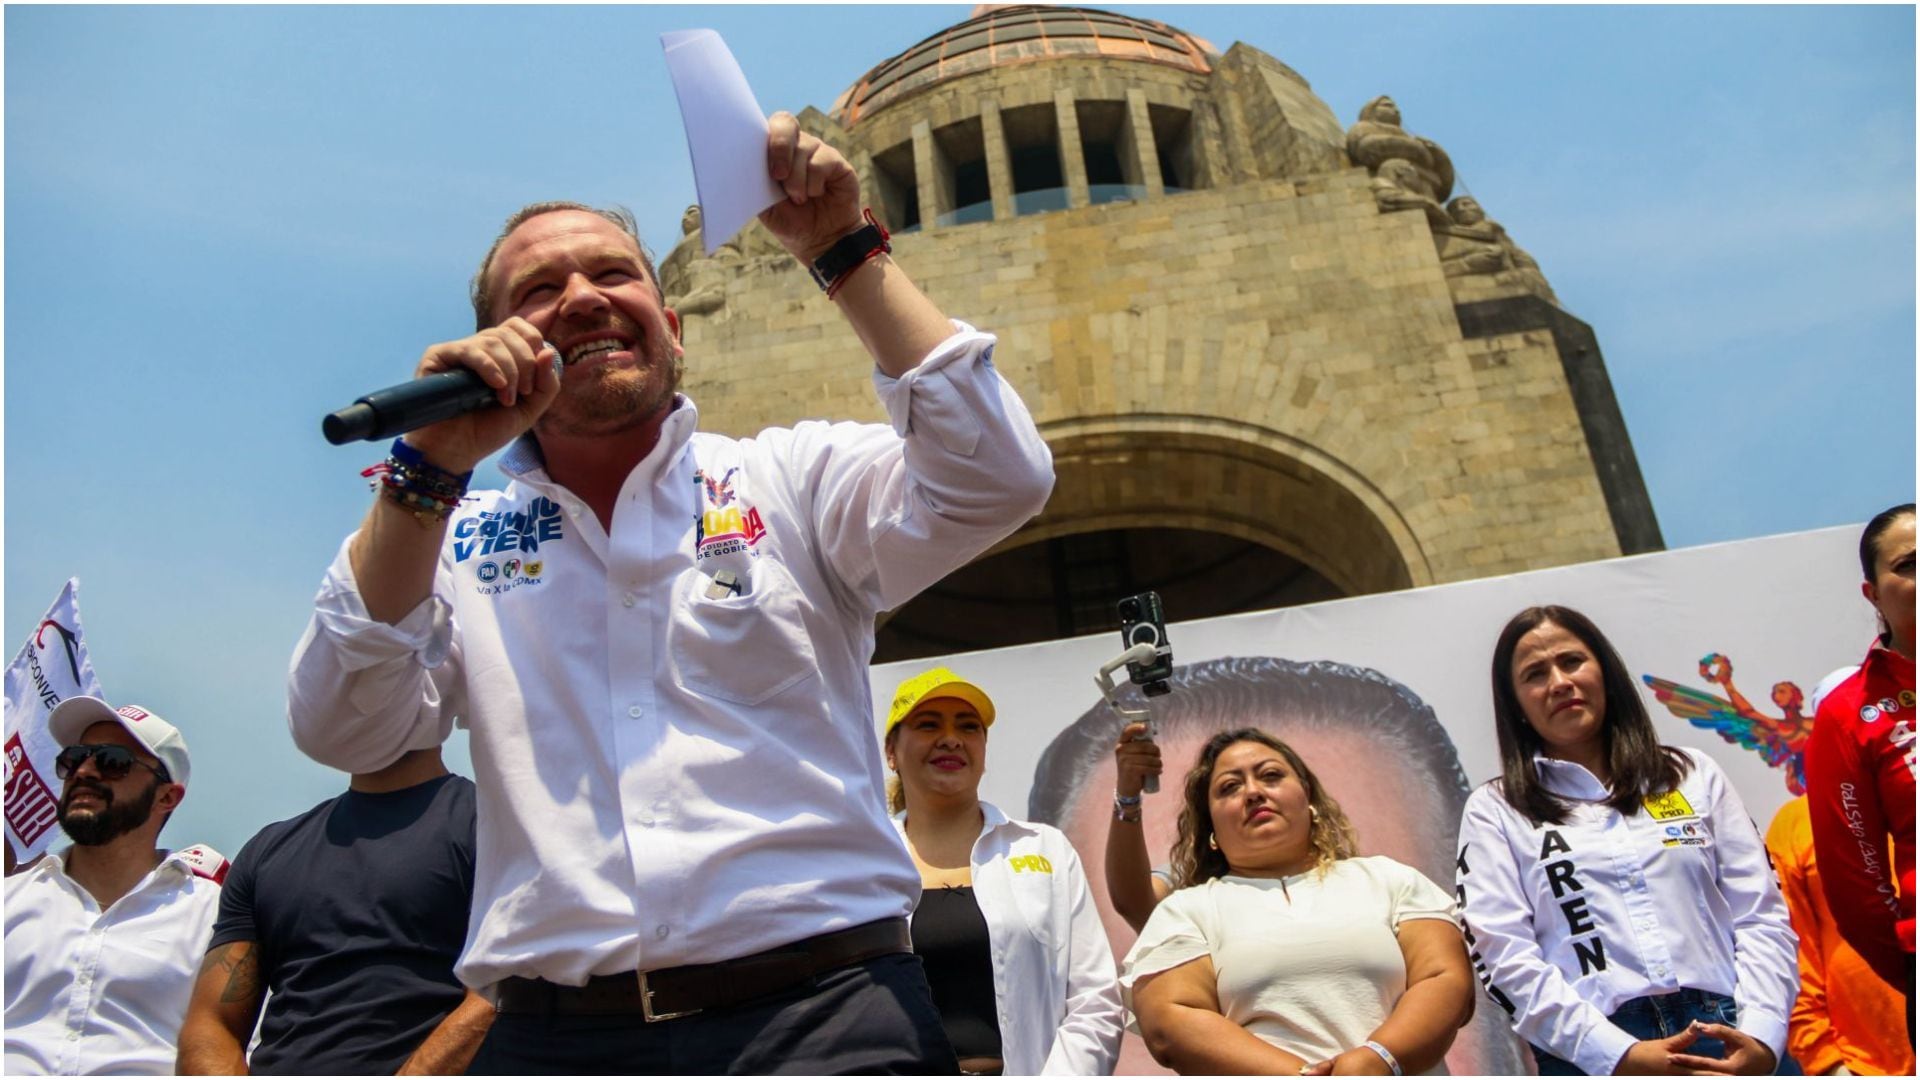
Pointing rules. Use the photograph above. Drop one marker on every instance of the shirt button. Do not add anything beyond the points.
(635, 711)
(661, 931)
(647, 822)
(626, 599)
(73, 1036)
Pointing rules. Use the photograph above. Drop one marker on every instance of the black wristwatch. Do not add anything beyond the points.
(849, 253)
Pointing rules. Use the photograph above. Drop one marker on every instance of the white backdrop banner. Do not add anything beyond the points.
(51, 667)
(1388, 699)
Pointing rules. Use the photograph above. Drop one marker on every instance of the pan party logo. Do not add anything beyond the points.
(495, 578)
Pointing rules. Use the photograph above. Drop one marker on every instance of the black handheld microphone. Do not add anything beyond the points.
(412, 404)
(409, 405)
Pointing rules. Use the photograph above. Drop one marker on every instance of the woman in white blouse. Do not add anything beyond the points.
(1019, 965)
(1617, 894)
(1283, 951)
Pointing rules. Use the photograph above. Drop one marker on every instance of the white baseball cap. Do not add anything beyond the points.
(71, 718)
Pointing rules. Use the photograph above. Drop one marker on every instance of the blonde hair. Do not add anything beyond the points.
(896, 791)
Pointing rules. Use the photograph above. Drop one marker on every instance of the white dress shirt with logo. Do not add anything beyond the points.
(1054, 982)
(670, 722)
(91, 991)
(1567, 923)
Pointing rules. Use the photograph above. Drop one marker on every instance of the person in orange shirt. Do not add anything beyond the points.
(1846, 1018)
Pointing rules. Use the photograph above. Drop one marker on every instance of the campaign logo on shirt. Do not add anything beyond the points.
(495, 578)
(724, 528)
(1688, 835)
(507, 532)
(719, 492)
(1669, 806)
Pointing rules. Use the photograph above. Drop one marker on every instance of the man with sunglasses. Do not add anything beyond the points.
(102, 939)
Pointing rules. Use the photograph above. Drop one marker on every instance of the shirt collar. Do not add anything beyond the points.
(995, 819)
(1569, 779)
(1892, 663)
(522, 459)
(54, 866)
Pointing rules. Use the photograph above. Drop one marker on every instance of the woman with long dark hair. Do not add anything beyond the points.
(1283, 950)
(1616, 893)
(1860, 766)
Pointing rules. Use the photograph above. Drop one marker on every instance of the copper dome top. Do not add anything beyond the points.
(1018, 34)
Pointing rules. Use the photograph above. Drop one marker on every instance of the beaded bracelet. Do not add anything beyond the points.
(428, 492)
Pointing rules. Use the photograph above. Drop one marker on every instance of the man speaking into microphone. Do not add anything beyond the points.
(659, 639)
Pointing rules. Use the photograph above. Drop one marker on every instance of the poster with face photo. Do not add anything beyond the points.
(1388, 700)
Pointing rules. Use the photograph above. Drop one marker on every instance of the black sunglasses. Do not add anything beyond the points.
(113, 760)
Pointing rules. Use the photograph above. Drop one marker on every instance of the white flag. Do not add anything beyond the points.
(52, 667)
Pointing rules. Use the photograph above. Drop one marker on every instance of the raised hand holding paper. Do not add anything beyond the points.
(726, 134)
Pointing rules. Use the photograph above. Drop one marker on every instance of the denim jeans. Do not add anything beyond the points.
(1657, 1018)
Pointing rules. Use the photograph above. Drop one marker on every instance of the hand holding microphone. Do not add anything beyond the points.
(450, 401)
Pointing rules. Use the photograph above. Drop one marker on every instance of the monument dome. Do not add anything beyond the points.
(1004, 35)
(1276, 358)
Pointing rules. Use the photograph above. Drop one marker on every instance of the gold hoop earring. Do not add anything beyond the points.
(1212, 844)
(1313, 812)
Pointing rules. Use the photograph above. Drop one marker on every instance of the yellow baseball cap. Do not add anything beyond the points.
(937, 683)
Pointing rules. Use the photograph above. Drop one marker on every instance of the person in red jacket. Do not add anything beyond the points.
(1860, 769)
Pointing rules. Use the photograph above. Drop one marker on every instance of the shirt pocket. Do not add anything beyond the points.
(744, 647)
(1038, 898)
(1687, 845)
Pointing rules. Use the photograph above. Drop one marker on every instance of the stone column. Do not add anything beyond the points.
(1073, 158)
(933, 175)
(999, 167)
(1139, 155)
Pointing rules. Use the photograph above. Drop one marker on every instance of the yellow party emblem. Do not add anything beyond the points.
(1669, 806)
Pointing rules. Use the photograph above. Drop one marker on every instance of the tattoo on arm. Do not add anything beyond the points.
(240, 961)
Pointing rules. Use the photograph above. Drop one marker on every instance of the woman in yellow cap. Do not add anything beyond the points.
(1014, 950)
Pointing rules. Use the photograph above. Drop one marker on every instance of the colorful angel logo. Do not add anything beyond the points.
(1780, 740)
(719, 492)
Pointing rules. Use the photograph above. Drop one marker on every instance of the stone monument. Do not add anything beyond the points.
(1264, 378)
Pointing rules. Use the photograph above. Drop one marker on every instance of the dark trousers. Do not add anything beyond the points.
(874, 1017)
(1658, 1017)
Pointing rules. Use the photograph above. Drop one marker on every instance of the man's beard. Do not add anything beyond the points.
(606, 407)
(91, 828)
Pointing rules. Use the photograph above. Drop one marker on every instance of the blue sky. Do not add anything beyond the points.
(224, 221)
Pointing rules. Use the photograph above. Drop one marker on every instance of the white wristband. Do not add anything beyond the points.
(1386, 1055)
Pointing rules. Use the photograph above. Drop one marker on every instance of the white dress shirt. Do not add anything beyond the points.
(671, 770)
(1311, 963)
(91, 991)
(1053, 973)
(1567, 923)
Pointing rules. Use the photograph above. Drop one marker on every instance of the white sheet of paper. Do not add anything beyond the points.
(726, 134)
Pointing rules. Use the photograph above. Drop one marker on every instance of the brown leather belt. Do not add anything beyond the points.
(674, 992)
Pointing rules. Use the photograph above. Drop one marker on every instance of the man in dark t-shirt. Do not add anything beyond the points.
(351, 915)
